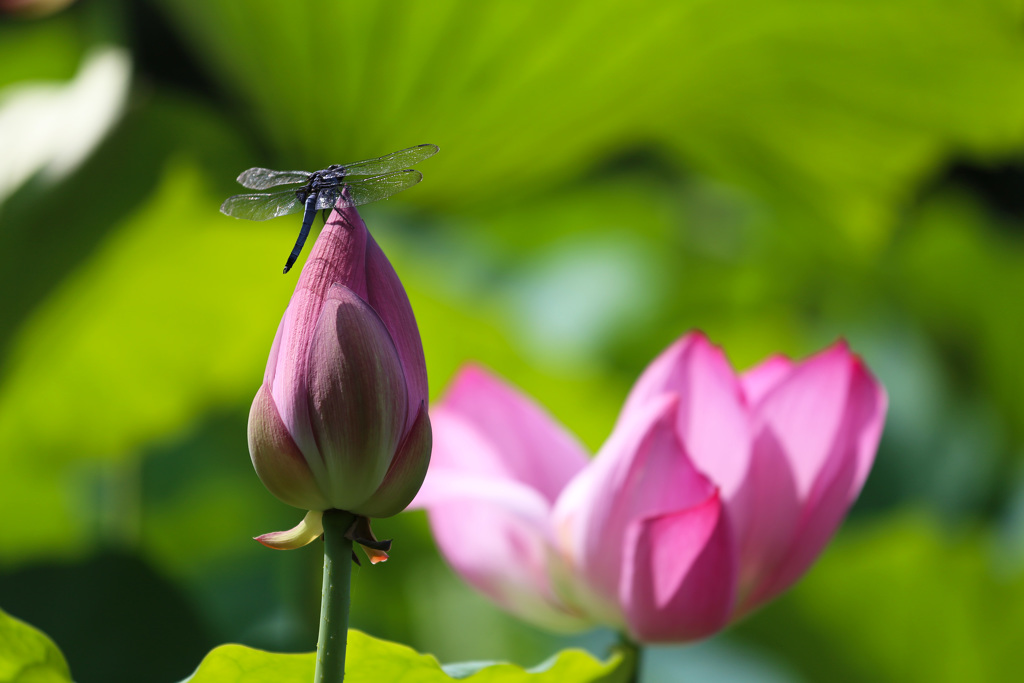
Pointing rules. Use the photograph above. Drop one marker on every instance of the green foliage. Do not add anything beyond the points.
(370, 659)
(28, 656)
(55, 49)
(122, 352)
(958, 277)
(240, 664)
(896, 602)
(612, 174)
(828, 109)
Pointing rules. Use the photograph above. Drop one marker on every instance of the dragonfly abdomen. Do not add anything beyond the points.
(308, 213)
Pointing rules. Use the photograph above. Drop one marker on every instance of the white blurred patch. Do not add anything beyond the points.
(50, 128)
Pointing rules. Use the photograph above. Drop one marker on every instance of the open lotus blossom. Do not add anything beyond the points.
(714, 493)
(341, 421)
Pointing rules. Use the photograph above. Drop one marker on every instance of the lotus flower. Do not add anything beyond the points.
(714, 493)
(341, 418)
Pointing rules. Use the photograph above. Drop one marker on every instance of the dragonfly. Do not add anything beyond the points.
(337, 186)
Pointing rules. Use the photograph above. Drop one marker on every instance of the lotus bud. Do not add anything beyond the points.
(340, 421)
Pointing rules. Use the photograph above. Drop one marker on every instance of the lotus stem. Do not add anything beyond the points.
(334, 605)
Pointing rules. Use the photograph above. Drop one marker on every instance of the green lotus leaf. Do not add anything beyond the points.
(371, 660)
(28, 656)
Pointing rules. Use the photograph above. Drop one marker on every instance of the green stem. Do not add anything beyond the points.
(631, 656)
(330, 647)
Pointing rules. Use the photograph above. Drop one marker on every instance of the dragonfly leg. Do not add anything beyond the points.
(307, 222)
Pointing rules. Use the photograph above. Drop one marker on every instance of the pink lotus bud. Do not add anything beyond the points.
(341, 418)
(714, 492)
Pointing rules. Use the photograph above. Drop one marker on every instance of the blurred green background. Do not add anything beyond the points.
(778, 173)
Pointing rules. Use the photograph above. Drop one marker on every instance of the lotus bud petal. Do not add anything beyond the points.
(340, 421)
(305, 532)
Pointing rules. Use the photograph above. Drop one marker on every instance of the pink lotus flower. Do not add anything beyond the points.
(341, 418)
(714, 493)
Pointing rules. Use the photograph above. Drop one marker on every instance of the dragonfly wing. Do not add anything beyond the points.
(263, 178)
(365, 190)
(261, 206)
(403, 158)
